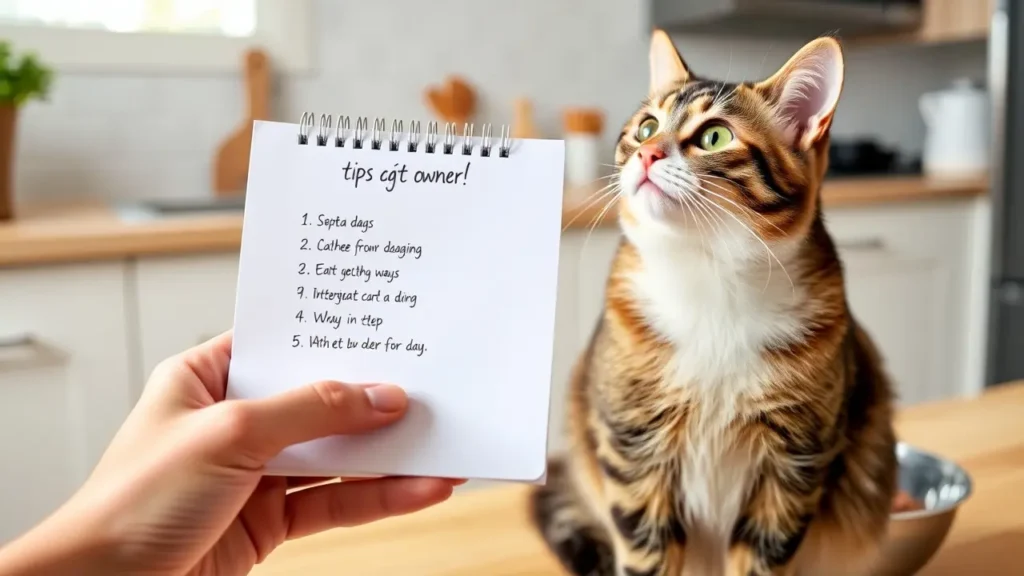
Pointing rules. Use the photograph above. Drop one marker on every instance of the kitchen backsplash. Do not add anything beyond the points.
(120, 136)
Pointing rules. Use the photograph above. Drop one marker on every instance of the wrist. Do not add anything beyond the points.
(61, 544)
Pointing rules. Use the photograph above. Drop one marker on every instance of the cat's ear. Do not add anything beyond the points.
(805, 91)
(667, 67)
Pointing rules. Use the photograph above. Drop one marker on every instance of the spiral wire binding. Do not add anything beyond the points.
(343, 134)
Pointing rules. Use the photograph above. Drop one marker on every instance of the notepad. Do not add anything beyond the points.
(426, 259)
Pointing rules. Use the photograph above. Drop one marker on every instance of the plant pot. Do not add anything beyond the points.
(8, 125)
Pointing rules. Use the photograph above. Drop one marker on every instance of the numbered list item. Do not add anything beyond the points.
(346, 263)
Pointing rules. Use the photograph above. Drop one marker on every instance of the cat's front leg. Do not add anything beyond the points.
(647, 537)
(783, 501)
(640, 541)
(769, 533)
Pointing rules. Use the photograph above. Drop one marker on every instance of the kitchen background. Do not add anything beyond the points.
(153, 134)
(917, 248)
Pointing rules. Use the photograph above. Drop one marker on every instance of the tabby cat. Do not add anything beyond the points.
(728, 415)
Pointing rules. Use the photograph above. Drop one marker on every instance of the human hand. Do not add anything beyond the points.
(181, 488)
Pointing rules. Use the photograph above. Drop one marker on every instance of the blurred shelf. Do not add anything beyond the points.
(944, 22)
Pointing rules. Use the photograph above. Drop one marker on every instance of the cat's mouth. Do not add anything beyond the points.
(654, 187)
(653, 191)
(648, 187)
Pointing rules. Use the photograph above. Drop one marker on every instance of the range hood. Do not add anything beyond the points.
(806, 18)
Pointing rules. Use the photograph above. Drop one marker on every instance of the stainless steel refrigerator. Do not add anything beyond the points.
(1005, 361)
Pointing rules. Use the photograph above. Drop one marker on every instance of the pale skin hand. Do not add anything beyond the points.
(181, 488)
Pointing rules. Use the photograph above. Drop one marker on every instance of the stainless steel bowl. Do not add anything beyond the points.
(914, 537)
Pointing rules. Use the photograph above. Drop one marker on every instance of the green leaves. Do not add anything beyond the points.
(22, 79)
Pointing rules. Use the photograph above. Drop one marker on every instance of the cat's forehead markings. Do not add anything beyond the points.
(697, 89)
(663, 100)
(693, 97)
(704, 104)
(692, 122)
(670, 100)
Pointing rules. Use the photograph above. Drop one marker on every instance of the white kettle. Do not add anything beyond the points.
(957, 127)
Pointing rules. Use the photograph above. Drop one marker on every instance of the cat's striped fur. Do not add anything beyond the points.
(728, 416)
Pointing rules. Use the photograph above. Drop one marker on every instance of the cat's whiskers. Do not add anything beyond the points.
(597, 219)
(726, 81)
(734, 217)
(689, 183)
(696, 184)
(684, 200)
(722, 225)
(616, 193)
(594, 199)
(699, 201)
(612, 197)
(611, 192)
(695, 214)
(704, 212)
(771, 253)
(721, 187)
(679, 181)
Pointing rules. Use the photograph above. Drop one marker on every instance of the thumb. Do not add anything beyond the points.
(322, 409)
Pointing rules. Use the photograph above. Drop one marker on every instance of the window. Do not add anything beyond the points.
(225, 17)
(159, 35)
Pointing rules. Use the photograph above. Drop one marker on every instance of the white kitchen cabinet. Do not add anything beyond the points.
(182, 301)
(583, 261)
(596, 251)
(908, 275)
(64, 383)
(563, 354)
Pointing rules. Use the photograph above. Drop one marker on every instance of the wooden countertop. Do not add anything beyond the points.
(486, 531)
(72, 231)
(77, 231)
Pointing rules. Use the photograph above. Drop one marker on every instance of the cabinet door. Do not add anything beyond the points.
(906, 271)
(900, 300)
(64, 383)
(565, 341)
(182, 301)
(596, 252)
(583, 270)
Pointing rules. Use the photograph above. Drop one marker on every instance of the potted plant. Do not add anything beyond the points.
(21, 79)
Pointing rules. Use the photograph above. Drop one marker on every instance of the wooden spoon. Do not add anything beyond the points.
(231, 166)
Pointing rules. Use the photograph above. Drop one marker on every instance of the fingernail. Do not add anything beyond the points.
(386, 398)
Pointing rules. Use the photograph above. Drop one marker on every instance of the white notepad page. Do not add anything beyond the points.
(446, 288)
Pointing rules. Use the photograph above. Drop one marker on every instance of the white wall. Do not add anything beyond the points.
(131, 136)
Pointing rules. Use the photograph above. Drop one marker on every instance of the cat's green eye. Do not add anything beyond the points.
(715, 138)
(647, 129)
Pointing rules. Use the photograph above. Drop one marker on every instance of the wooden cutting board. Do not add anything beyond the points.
(231, 165)
(453, 101)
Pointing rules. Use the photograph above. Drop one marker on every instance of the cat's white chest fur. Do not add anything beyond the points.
(715, 477)
(719, 317)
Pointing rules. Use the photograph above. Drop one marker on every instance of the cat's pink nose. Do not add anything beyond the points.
(649, 154)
